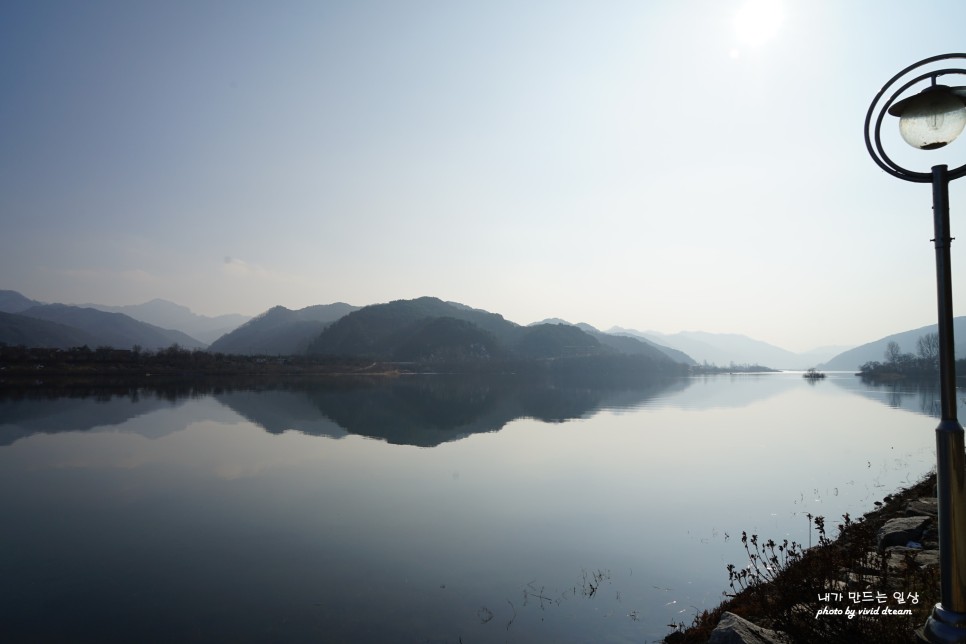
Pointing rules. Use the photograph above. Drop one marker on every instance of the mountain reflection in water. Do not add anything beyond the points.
(420, 410)
(423, 411)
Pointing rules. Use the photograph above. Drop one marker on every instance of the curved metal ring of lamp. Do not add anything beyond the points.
(896, 108)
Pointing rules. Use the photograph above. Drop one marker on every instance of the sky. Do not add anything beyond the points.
(655, 165)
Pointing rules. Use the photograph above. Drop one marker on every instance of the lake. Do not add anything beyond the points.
(425, 508)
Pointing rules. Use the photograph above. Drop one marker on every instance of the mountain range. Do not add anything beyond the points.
(422, 329)
(30, 323)
(724, 349)
(169, 315)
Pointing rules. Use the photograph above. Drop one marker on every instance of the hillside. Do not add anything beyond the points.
(280, 331)
(852, 359)
(625, 343)
(20, 330)
(446, 339)
(429, 329)
(14, 302)
(377, 330)
(556, 340)
(111, 329)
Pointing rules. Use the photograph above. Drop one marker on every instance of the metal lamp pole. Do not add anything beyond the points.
(929, 120)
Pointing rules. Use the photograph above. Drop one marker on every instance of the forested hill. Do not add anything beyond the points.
(281, 331)
(428, 329)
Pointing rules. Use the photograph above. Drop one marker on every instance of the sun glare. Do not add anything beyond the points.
(758, 21)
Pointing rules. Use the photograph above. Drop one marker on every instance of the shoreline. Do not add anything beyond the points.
(872, 582)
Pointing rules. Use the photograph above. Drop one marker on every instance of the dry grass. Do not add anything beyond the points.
(782, 584)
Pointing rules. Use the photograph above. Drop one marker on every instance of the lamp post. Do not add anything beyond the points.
(930, 120)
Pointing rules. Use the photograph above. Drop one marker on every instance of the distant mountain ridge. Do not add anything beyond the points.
(281, 331)
(169, 315)
(30, 323)
(20, 330)
(722, 349)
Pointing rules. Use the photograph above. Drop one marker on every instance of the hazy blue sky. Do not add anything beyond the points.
(653, 165)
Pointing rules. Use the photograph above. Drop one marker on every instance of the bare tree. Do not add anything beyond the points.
(893, 353)
(928, 349)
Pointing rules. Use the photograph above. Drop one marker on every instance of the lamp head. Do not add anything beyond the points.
(932, 118)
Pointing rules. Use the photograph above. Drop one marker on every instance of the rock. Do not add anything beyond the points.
(930, 538)
(899, 532)
(732, 629)
(862, 580)
(898, 558)
(925, 506)
(927, 558)
(901, 557)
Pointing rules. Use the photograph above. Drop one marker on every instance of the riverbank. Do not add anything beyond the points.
(876, 581)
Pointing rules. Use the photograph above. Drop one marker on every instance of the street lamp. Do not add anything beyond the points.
(930, 120)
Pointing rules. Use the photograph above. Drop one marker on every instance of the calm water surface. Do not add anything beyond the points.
(425, 509)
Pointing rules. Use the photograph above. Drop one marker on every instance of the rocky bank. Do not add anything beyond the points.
(877, 581)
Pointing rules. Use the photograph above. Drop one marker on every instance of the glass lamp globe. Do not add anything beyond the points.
(932, 118)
